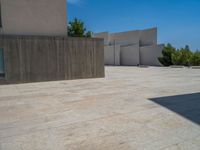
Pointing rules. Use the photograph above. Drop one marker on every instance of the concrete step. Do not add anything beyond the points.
(177, 66)
(195, 67)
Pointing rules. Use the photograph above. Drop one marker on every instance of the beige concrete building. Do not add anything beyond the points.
(33, 17)
(131, 48)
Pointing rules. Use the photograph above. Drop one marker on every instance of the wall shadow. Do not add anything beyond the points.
(187, 105)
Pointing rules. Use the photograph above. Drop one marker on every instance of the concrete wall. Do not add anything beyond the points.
(112, 55)
(109, 56)
(137, 47)
(149, 55)
(148, 37)
(47, 58)
(124, 38)
(103, 35)
(130, 55)
(34, 17)
(117, 55)
(144, 37)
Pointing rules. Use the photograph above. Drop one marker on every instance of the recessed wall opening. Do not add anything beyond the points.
(2, 67)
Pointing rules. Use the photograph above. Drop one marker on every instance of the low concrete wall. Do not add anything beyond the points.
(47, 58)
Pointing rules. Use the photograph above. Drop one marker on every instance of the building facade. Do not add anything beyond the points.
(34, 45)
(33, 17)
(131, 48)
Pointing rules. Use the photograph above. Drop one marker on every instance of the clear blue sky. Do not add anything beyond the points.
(178, 21)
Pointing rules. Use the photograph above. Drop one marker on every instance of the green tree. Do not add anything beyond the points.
(167, 52)
(76, 28)
(187, 47)
(182, 57)
(88, 34)
(195, 59)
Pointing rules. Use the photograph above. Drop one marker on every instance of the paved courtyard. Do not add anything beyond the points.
(131, 109)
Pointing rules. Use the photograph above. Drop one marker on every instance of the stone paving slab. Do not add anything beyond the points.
(131, 109)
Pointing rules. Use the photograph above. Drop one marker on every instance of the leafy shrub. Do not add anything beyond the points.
(182, 57)
(76, 28)
(195, 59)
(167, 52)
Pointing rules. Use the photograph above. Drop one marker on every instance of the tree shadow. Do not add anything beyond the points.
(187, 105)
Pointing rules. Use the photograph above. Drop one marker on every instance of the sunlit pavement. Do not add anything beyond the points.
(131, 109)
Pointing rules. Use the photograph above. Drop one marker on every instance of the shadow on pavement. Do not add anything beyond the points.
(187, 105)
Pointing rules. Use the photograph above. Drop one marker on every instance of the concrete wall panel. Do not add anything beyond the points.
(130, 55)
(103, 35)
(117, 55)
(112, 55)
(34, 17)
(149, 55)
(109, 56)
(148, 37)
(125, 38)
(47, 58)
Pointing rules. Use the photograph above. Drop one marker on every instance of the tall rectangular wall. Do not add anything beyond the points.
(130, 55)
(34, 17)
(112, 55)
(149, 55)
(148, 37)
(47, 58)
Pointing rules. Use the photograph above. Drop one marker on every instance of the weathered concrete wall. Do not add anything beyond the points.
(149, 55)
(34, 17)
(130, 55)
(42, 58)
